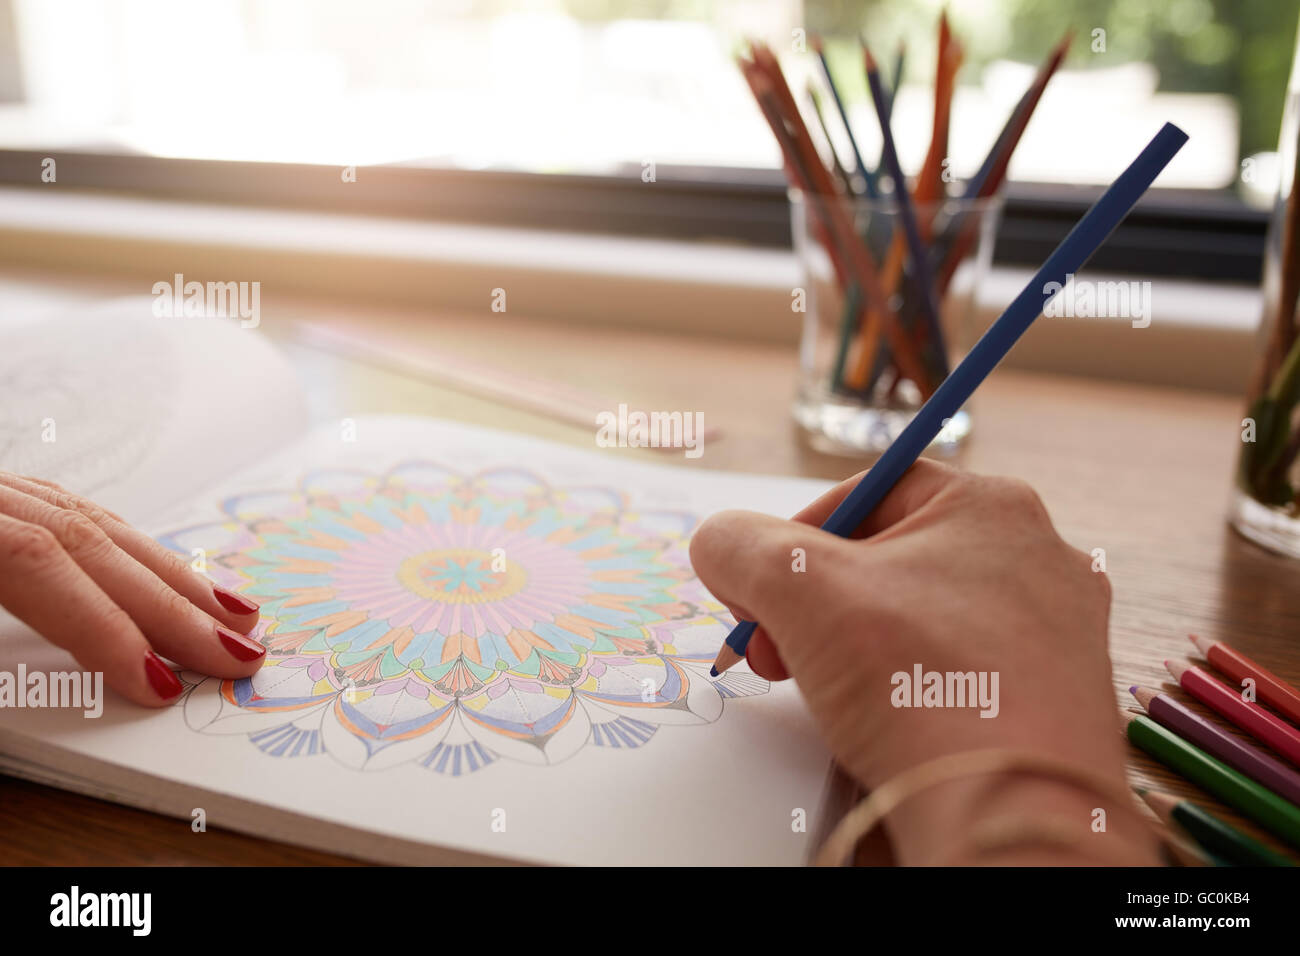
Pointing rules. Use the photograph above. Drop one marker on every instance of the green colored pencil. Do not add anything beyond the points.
(1219, 838)
(1280, 817)
(848, 324)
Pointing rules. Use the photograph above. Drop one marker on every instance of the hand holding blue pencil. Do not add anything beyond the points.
(1068, 258)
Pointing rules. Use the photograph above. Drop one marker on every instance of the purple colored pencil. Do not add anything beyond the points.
(1249, 759)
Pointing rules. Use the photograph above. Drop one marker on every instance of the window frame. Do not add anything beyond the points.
(1190, 234)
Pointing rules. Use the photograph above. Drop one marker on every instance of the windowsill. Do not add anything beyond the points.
(1201, 334)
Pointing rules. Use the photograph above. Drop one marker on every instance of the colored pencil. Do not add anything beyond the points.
(1221, 839)
(1280, 817)
(1236, 753)
(929, 183)
(849, 321)
(860, 166)
(993, 171)
(894, 342)
(1270, 688)
(961, 234)
(1266, 462)
(818, 194)
(1076, 249)
(845, 177)
(850, 257)
(918, 254)
(1247, 715)
(557, 400)
(1283, 333)
(871, 360)
(900, 60)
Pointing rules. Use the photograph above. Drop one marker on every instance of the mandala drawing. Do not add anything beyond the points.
(456, 620)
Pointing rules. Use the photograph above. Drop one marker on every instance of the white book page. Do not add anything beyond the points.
(571, 721)
(138, 412)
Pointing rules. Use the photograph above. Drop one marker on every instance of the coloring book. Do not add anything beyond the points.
(480, 646)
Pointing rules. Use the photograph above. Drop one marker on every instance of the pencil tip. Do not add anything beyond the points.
(725, 661)
(1144, 695)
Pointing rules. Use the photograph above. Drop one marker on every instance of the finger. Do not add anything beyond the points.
(738, 612)
(918, 485)
(779, 571)
(172, 625)
(722, 549)
(763, 658)
(44, 588)
(766, 663)
(760, 652)
(28, 479)
(233, 610)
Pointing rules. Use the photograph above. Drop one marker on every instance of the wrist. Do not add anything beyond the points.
(1018, 818)
(1003, 805)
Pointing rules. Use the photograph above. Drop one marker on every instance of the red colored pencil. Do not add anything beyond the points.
(1250, 717)
(1270, 688)
(929, 182)
(999, 158)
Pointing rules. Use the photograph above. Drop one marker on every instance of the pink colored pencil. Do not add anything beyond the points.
(1249, 716)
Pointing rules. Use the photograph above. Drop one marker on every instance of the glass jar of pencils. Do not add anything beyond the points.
(1266, 496)
(882, 324)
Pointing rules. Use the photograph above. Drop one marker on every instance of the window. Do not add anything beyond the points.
(547, 111)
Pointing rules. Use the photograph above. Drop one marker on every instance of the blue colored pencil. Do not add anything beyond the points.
(899, 60)
(868, 177)
(922, 275)
(1068, 258)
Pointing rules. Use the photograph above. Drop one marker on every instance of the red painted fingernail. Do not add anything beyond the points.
(241, 648)
(161, 678)
(235, 603)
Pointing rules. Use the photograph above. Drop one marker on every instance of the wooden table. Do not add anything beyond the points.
(1142, 472)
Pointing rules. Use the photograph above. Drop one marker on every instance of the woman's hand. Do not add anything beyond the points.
(115, 598)
(957, 573)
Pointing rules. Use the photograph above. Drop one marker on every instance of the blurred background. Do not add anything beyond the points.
(598, 88)
(551, 116)
(565, 86)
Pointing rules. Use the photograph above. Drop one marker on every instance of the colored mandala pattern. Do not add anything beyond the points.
(452, 621)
